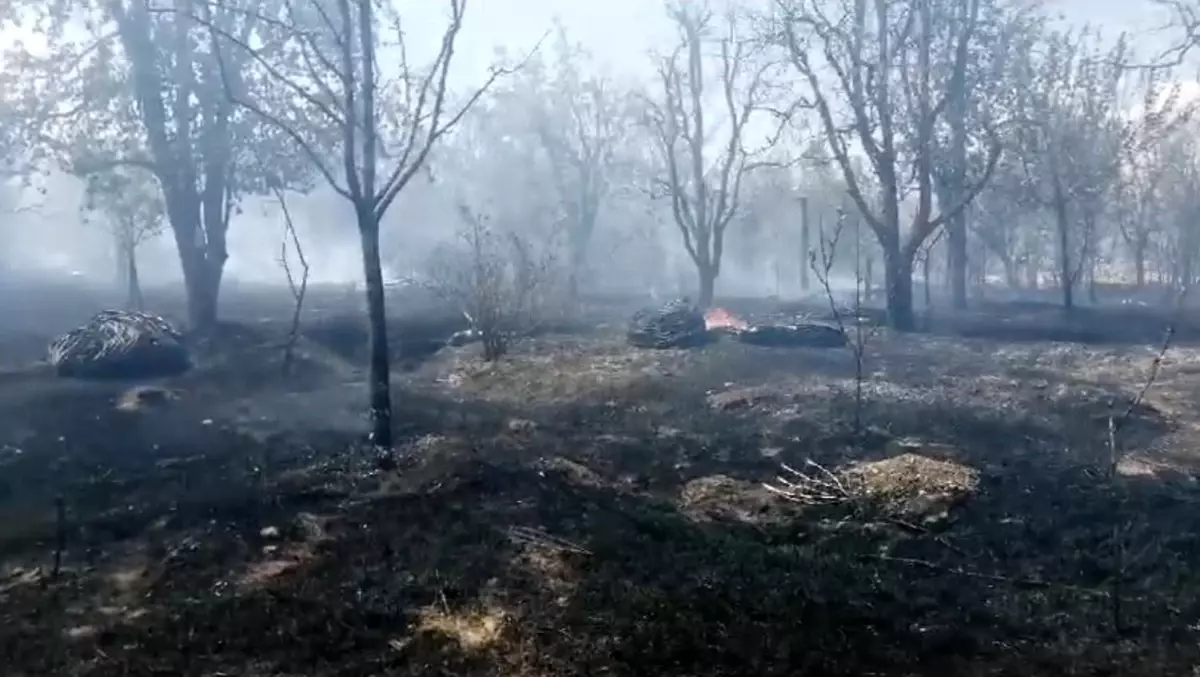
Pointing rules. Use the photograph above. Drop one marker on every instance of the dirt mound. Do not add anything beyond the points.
(915, 486)
(720, 497)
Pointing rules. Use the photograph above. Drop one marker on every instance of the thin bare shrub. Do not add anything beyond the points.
(503, 282)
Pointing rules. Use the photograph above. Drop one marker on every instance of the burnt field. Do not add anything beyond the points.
(586, 508)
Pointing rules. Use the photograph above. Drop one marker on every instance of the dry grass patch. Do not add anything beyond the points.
(473, 631)
(541, 373)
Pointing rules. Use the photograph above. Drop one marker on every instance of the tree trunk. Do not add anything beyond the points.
(380, 362)
(956, 241)
(898, 270)
(1011, 277)
(1065, 279)
(956, 228)
(201, 275)
(133, 290)
(925, 272)
(869, 278)
(1139, 263)
(805, 245)
(578, 269)
(201, 290)
(708, 283)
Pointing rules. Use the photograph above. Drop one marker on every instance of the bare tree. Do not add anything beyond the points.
(973, 92)
(704, 174)
(1179, 192)
(130, 204)
(1144, 166)
(580, 121)
(132, 84)
(1073, 136)
(881, 56)
(382, 128)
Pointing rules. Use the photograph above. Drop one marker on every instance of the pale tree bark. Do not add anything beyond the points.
(704, 173)
(873, 59)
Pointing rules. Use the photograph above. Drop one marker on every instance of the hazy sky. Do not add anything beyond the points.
(620, 32)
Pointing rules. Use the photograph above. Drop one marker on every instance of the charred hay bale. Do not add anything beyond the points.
(674, 325)
(120, 344)
(793, 336)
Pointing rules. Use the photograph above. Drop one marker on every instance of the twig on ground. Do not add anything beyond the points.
(995, 578)
(816, 487)
(540, 537)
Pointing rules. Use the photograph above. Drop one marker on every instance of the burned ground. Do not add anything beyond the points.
(585, 508)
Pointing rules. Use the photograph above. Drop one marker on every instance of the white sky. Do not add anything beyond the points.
(620, 32)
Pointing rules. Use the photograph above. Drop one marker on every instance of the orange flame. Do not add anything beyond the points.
(719, 318)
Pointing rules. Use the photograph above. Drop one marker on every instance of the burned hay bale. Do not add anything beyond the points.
(793, 336)
(674, 325)
(120, 344)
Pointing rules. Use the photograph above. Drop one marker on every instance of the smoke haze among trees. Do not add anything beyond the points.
(979, 141)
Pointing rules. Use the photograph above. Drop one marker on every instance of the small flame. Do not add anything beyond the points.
(719, 318)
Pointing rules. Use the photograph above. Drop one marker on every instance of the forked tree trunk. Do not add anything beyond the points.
(380, 384)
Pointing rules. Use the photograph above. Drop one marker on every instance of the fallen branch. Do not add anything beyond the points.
(1035, 583)
(540, 538)
(816, 487)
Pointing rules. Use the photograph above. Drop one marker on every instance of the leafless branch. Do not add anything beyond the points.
(297, 287)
